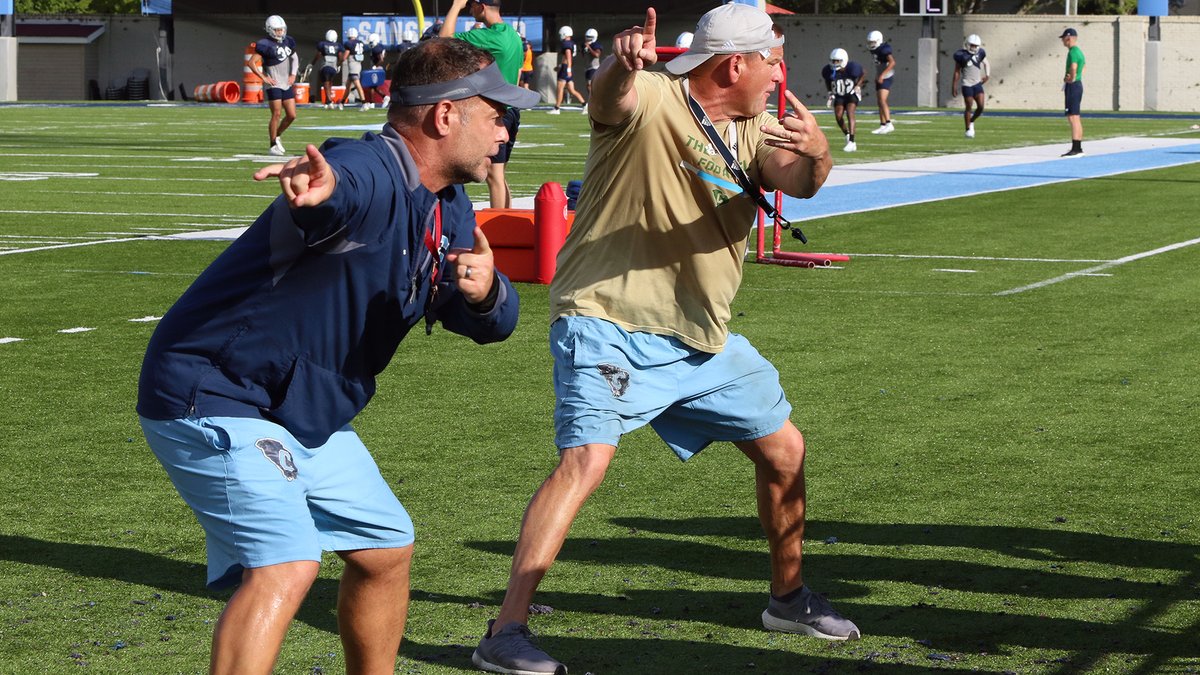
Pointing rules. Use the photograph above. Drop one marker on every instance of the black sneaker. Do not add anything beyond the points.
(809, 614)
(512, 650)
(1073, 152)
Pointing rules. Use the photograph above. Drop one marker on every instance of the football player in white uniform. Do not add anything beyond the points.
(378, 53)
(566, 60)
(885, 70)
(328, 55)
(353, 53)
(971, 70)
(278, 71)
(843, 80)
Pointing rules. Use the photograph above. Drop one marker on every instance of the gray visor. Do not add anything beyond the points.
(486, 82)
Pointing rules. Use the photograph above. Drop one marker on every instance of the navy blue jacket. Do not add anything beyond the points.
(295, 319)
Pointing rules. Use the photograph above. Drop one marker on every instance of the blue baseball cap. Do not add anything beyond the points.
(1070, 32)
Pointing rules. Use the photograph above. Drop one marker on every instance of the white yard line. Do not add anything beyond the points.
(163, 179)
(82, 243)
(126, 213)
(227, 234)
(134, 272)
(973, 257)
(1099, 268)
(164, 194)
(47, 239)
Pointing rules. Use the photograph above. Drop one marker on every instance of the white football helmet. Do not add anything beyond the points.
(373, 39)
(276, 27)
(331, 36)
(565, 33)
(973, 43)
(874, 39)
(351, 33)
(591, 35)
(684, 41)
(838, 58)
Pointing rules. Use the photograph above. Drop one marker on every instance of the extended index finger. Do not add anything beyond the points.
(651, 22)
(316, 161)
(800, 109)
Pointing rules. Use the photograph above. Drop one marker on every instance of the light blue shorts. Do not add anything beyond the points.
(264, 499)
(609, 381)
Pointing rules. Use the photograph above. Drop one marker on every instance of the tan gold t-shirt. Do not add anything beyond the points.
(656, 247)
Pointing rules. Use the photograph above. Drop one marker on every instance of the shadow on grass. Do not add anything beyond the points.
(1053, 565)
(661, 655)
(146, 569)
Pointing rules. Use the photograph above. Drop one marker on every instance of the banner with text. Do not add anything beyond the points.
(394, 29)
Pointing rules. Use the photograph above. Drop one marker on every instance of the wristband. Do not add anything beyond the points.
(489, 302)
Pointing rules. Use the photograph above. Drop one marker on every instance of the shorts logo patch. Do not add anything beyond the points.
(617, 378)
(280, 456)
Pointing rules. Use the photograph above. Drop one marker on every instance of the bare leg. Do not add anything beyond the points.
(372, 607)
(276, 108)
(289, 116)
(1076, 127)
(850, 108)
(547, 521)
(885, 112)
(562, 86)
(967, 100)
(498, 187)
(779, 485)
(250, 631)
(575, 92)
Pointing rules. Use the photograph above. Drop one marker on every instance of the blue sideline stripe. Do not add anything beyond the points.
(889, 192)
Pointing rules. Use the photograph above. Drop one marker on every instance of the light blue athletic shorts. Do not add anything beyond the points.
(609, 381)
(264, 499)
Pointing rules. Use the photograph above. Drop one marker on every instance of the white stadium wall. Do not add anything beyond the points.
(1124, 71)
(1026, 57)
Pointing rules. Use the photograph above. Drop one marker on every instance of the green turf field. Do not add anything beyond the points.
(997, 483)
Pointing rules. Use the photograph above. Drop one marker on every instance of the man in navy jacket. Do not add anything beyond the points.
(251, 380)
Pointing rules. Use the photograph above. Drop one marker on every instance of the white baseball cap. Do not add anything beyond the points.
(728, 29)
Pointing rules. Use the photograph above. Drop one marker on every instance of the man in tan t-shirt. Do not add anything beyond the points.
(642, 294)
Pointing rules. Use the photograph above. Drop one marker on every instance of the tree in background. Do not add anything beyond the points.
(77, 7)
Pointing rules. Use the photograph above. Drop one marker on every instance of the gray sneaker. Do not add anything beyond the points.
(512, 650)
(810, 614)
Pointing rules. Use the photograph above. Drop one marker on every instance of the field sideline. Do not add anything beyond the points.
(1000, 480)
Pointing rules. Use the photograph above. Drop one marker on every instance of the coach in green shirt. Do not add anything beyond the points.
(1073, 89)
(504, 44)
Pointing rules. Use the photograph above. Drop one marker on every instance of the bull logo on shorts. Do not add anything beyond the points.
(280, 456)
(617, 378)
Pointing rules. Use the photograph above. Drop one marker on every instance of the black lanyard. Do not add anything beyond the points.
(433, 242)
(749, 187)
